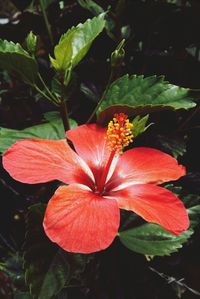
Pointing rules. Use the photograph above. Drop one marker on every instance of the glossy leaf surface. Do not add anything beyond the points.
(151, 239)
(75, 43)
(135, 95)
(52, 130)
(16, 60)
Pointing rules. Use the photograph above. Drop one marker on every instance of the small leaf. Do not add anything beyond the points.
(15, 59)
(90, 91)
(92, 6)
(75, 43)
(151, 239)
(46, 268)
(138, 95)
(139, 125)
(52, 130)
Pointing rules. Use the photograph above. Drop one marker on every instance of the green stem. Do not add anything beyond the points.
(63, 107)
(116, 61)
(45, 95)
(102, 98)
(48, 26)
(48, 90)
(64, 115)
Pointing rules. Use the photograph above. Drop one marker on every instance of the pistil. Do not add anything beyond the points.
(105, 172)
(119, 135)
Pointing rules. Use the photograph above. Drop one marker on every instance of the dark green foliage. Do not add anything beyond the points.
(16, 60)
(151, 239)
(46, 268)
(51, 130)
(138, 95)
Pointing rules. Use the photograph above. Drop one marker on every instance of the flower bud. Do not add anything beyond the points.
(118, 54)
(31, 42)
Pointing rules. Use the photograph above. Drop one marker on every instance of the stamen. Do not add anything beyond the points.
(119, 132)
(119, 135)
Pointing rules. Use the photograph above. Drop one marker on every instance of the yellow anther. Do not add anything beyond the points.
(119, 132)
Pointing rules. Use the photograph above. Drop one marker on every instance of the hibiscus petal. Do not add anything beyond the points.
(145, 165)
(90, 143)
(37, 161)
(154, 204)
(81, 221)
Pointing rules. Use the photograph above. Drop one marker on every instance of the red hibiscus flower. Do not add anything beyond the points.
(84, 215)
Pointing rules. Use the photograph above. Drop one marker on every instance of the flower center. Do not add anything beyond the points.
(119, 135)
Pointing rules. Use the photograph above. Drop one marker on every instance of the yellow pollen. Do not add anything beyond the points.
(119, 132)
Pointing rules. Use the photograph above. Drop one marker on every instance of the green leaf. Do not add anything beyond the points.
(52, 115)
(194, 52)
(173, 188)
(46, 268)
(75, 43)
(92, 6)
(175, 145)
(151, 239)
(52, 130)
(138, 95)
(13, 268)
(55, 278)
(139, 125)
(15, 59)
(191, 199)
(194, 214)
